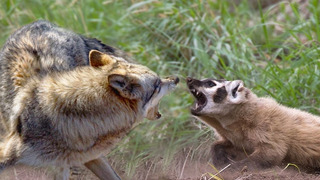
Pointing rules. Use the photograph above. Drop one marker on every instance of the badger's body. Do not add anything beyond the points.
(267, 132)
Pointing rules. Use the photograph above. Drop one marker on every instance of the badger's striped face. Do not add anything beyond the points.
(215, 96)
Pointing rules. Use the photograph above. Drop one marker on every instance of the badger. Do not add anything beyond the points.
(262, 132)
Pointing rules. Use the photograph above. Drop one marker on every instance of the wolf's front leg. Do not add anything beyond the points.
(10, 150)
(63, 173)
(101, 168)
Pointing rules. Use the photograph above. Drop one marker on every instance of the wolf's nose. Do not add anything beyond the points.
(176, 80)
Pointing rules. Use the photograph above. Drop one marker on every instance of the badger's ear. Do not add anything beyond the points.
(97, 59)
(125, 86)
(237, 92)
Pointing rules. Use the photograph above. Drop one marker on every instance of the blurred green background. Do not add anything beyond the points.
(273, 46)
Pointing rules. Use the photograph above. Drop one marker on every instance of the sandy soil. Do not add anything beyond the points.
(188, 171)
(25, 173)
(201, 172)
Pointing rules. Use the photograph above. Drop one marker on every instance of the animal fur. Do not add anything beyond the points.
(267, 132)
(64, 106)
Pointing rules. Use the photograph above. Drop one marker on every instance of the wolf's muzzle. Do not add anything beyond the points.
(175, 79)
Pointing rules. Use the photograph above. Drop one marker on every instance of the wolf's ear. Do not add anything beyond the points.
(97, 59)
(125, 86)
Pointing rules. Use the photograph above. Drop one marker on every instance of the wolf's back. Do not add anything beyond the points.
(38, 49)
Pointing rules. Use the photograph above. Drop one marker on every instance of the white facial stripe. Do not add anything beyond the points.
(231, 88)
(212, 90)
(209, 92)
(212, 107)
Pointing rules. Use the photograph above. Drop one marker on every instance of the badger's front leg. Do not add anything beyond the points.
(263, 157)
(101, 168)
(219, 152)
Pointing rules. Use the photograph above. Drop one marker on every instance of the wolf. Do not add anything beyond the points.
(66, 100)
(258, 129)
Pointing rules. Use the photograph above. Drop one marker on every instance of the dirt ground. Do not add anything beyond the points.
(201, 172)
(189, 171)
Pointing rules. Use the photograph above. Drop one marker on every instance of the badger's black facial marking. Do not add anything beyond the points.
(220, 95)
(209, 84)
(197, 86)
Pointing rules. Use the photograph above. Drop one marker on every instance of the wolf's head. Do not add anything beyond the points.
(216, 97)
(134, 81)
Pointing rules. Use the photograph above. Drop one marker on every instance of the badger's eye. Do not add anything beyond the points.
(210, 84)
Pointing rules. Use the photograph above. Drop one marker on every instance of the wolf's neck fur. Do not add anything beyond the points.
(81, 104)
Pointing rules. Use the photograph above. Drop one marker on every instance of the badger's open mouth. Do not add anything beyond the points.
(200, 103)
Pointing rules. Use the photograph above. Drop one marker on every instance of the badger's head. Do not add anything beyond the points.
(134, 82)
(216, 97)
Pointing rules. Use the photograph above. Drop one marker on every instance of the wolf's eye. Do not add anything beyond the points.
(210, 84)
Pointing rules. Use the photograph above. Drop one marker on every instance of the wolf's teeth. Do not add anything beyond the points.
(197, 93)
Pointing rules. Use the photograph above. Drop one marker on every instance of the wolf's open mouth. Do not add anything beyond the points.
(201, 101)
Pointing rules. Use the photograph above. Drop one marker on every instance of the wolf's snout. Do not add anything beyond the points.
(176, 80)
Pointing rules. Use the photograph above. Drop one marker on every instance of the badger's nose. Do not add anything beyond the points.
(189, 79)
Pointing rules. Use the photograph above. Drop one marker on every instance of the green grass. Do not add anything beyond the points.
(274, 52)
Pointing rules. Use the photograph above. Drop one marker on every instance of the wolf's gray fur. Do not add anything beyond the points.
(56, 49)
(67, 99)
